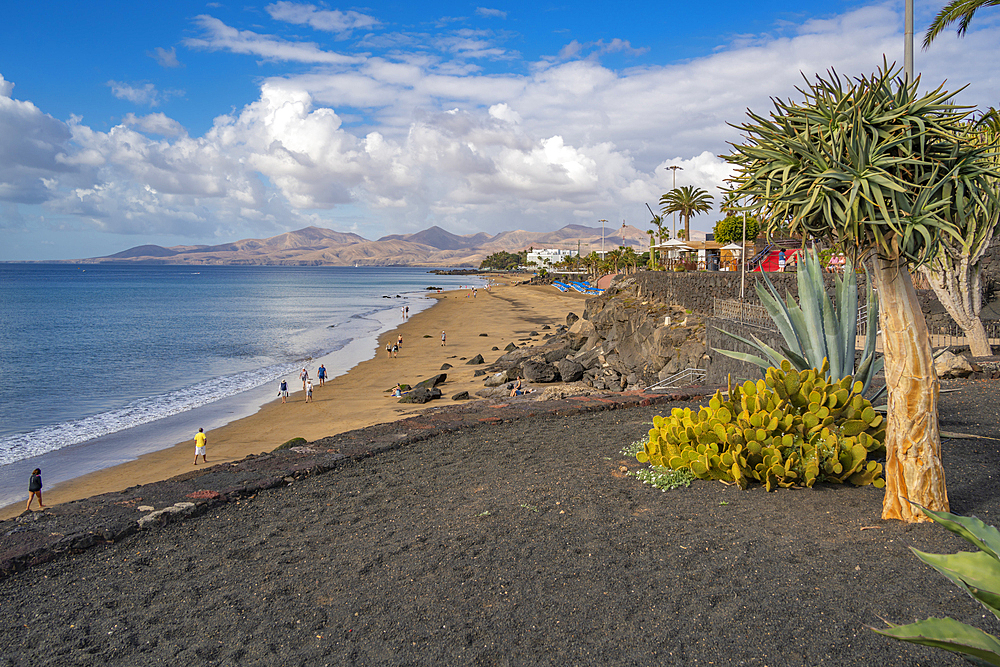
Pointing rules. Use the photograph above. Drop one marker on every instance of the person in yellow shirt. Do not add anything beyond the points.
(199, 446)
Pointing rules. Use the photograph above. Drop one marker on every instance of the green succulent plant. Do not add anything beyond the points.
(792, 428)
(817, 328)
(975, 572)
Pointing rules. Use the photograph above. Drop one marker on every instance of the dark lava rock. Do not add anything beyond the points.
(495, 348)
(479, 373)
(478, 359)
(445, 367)
(484, 335)
(571, 318)
(433, 381)
(546, 327)
(536, 371)
(533, 333)
(461, 396)
(569, 371)
(510, 347)
(421, 395)
(555, 355)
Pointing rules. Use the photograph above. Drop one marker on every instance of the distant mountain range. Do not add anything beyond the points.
(434, 247)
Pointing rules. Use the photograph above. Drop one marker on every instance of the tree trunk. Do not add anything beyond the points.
(913, 469)
(958, 290)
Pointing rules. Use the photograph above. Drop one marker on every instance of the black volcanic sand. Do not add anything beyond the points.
(515, 544)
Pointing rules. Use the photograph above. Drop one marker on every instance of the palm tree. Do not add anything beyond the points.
(881, 171)
(956, 10)
(686, 200)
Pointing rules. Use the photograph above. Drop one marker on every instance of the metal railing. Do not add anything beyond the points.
(740, 311)
(680, 379)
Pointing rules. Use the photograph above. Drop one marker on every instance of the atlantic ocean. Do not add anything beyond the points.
(102, 363)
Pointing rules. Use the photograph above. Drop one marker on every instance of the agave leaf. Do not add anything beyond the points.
(775, 356)
(975, 572)
(970, 529)
(949, 634)
(779, 312)
(812, 292)
(847, 314)
(833, 338)
(743, 356)
(757, 344)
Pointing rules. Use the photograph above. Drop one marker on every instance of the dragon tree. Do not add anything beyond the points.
(881, 170)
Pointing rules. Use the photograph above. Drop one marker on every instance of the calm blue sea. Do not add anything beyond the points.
(87, 351)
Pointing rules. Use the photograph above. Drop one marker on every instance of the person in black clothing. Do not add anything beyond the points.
(35, 488)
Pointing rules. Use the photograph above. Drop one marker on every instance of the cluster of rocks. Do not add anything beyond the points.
(622, 342)
(627, 339)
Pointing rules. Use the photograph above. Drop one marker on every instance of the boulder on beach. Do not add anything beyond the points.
(497, 379)
(538, 371)
(569, 371)
(445, 366)
(478, 359)
(510, 347)
(421, 395)
(461, 396)
(433, 381)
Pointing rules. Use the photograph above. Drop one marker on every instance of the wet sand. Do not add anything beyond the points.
(508, 313)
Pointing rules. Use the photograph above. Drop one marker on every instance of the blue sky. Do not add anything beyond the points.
(126, 123)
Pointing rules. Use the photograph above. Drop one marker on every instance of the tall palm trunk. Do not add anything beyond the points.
(913, 469)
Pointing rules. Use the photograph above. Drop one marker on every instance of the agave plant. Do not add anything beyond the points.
(817, 328)
(975, 572)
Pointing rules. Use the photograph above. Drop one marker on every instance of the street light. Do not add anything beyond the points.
(602, 237)
(908, 43)
(674, 169)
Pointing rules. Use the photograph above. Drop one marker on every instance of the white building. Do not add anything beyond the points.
(548, 256)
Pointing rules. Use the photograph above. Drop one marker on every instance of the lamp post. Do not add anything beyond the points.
(908, 43)
(602, 237)
(674, 169)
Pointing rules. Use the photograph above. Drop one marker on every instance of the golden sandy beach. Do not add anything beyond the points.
(358, 398)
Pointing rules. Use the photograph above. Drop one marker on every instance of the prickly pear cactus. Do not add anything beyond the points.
(793, 428)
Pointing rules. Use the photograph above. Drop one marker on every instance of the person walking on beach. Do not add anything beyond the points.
(35, 488)
(388, 350)
(399, 341)
(321, 374)
(199, 446)
(283, 391)
(442, 338)
(304, 376)
(309, 391)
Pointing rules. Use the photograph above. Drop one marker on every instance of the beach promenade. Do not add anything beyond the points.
(507, 313)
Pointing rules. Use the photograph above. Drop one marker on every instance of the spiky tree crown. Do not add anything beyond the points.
(869, 163)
